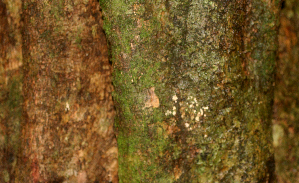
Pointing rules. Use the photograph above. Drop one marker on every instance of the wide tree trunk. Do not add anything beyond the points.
(68, 131)
(193, 88)
(10, 87)
(286, 110)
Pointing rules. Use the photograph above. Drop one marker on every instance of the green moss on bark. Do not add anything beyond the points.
(211, 66)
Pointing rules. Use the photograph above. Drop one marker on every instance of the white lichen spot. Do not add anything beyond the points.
(197, 118)
(196, 105)
(175, 98)
(206, 135)
(191, 106)
(205, 108)
(174, 108)
(67, 106)
(174, 113)
(168, 112)
(187, 125)
(201, 112)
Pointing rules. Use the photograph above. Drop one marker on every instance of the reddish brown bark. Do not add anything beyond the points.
(286, 103)
(68, 133)
(10, 87)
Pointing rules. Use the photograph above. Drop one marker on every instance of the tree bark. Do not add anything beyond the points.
(68, 131)
(286, 110)
(10, 87)
(193, 88)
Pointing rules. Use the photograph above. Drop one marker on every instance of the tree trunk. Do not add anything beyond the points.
(68, 131)
(286, 110)
(193, 88)
(10, 87)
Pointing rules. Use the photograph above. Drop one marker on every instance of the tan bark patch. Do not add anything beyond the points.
(153, 100)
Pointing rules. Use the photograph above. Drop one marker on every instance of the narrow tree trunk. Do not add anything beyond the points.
(286, 110)
(68, 134)
(193, 83)
(10, 87)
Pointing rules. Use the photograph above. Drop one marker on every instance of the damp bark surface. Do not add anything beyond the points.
(193, 88)
(286, 103)
(68, 134)
(10, 87)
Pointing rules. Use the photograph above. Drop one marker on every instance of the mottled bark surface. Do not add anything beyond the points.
(193, 88)
(286, 110)
(10, 87)
(68, 109)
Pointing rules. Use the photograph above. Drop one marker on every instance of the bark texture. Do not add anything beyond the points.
(193, 88)
(68, 131)
(10, 87)
(286, 110)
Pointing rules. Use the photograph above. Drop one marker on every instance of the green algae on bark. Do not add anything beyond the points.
(193, 88)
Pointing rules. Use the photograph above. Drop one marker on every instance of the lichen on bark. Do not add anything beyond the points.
(211, 64)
